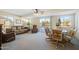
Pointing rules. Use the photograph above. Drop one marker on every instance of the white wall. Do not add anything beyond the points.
(73, 20)
(36, 21)
(77, 23)
(77, 20)
(54, 20)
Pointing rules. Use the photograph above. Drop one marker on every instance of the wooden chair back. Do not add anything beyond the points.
(57, 35)
(71, 33)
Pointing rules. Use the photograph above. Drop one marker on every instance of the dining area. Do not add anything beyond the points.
(61, 36)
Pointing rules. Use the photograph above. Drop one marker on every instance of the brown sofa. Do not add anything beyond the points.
(8, 36)
(22, 30)
(0, 36)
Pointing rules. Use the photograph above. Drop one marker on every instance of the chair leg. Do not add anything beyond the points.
(57, 44)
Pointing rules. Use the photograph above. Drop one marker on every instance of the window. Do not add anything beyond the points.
(65, 20)
(45, 21)
(10, 18)
(26, 22)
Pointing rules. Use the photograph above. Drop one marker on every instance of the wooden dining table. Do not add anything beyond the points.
(64, 31)
(64, 34)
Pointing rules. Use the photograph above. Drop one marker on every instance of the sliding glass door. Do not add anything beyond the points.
(45, 21)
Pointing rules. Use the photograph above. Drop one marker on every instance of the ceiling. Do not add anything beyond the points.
(30, 12)
(18, 12)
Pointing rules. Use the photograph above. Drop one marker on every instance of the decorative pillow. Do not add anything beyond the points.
(3, 32)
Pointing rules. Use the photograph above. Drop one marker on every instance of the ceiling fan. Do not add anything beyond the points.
(35, 10)
(38, 12)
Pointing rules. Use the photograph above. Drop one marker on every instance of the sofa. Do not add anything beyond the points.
(8, 36)
(22, 30)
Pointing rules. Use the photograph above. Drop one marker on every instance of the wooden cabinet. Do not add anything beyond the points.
(35, 29)
(0, 35)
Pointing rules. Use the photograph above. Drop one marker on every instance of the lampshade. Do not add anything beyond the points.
(1, 21)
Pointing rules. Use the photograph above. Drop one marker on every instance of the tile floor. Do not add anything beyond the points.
(36, 41)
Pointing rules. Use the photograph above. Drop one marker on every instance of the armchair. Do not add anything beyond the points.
(34, 29)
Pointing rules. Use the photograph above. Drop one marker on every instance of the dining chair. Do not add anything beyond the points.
(70, 35)
(48, 33)
(57, 37)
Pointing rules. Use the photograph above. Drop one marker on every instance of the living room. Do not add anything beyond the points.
(20, 25)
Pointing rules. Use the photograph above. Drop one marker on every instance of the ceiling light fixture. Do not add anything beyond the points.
(37, 12)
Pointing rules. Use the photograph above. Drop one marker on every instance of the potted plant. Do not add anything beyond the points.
(28, 23)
